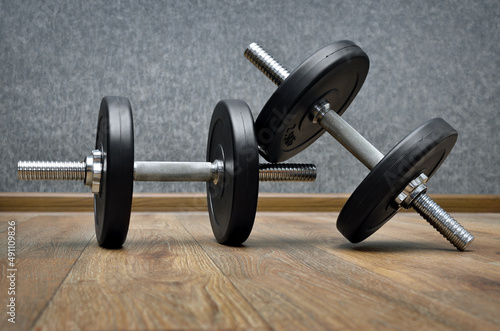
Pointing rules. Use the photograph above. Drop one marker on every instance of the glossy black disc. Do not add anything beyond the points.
(232, 202)
(334, 74)
(372, 204)
(115, 139)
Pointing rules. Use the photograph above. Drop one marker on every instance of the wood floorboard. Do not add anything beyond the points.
(296, 271)
(47, 247)
(161, 279)
(424, 267)
(307, 273)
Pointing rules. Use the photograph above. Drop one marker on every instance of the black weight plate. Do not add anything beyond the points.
(115, 138)
(232, 203)
(372, 203)
(334, 74)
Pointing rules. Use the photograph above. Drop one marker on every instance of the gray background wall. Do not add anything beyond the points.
(175, 59)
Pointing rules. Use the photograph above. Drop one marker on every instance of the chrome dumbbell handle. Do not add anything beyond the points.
(365, 152)
(90, 171)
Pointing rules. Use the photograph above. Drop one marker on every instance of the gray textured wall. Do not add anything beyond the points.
(175, 59)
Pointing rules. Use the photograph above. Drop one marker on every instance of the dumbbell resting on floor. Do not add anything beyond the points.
(312, 99)
(232, 171)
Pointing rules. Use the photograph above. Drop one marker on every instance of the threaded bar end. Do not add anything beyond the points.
(266, 63)
(43, 170)
(287, 172)
(442, 222)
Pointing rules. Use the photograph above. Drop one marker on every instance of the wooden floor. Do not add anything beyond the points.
(295, 272)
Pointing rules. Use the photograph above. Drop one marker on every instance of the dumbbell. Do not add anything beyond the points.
(232, 171)
(312, 99)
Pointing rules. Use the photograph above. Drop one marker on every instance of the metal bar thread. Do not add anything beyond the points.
(442, 221)
(43, 170)
(266, 63)
(287, 172)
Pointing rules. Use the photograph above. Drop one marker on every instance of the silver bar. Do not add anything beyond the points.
(175, 171)
(442, 221)
(354, 142)
(287, 172)
(266, 63)
(47, 170)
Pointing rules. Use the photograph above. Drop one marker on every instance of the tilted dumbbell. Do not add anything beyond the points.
(232, 171)
(311, 99)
